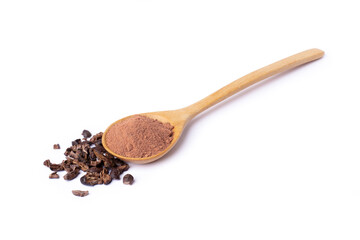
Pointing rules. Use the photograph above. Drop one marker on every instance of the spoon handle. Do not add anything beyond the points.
(252, 78)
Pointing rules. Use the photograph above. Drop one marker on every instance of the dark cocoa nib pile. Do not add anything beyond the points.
(89, 156)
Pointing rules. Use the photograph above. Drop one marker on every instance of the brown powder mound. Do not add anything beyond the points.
(139, 136)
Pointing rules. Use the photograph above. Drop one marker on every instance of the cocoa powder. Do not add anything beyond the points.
(139, 137)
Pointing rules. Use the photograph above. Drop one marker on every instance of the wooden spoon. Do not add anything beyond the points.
(179, 118)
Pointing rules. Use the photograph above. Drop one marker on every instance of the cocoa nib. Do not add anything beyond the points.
(52, 166)
(56, 146)
(76, 142)
(96, 138)
(91, 179)
(106, 178)
(128, 179)
(80, 193)
(107, 161)
(53, 175)
(47, 163)
(56, 167)
(115, 174)
(72, 174)
(117, 171)
(83, 166)
(86, 134)
(99, 148)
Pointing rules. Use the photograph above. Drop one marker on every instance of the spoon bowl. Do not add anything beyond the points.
(179, 118)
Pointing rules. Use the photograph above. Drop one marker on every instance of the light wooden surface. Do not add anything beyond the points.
(179, 118)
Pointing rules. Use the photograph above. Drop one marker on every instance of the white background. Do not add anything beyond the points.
(278, 161)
